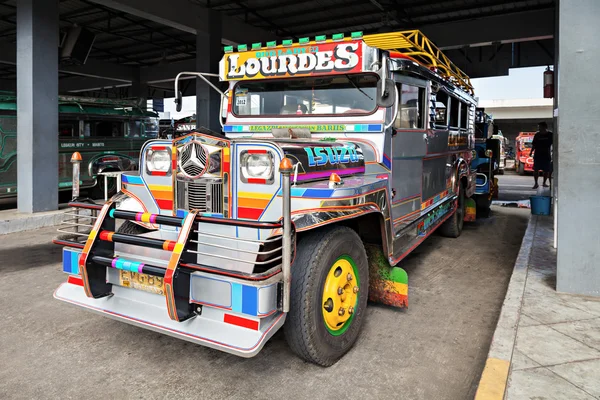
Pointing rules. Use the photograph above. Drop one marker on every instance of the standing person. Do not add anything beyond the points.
(541, 151)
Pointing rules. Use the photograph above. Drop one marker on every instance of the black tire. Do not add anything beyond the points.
(483, 202)
(305, 329)
(521, 169)
(131, 228)
(454, 225)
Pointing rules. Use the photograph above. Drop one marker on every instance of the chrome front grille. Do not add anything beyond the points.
(204, 196)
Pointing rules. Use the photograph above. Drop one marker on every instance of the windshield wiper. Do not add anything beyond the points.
(357, 88)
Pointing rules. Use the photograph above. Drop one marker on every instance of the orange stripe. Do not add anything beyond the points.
(252, 203)
(162, 195)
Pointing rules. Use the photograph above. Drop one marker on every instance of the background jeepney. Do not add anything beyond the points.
(523, 159)
(108, 133)
(341, 156)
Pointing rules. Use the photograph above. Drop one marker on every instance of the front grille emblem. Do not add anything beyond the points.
(193, 160)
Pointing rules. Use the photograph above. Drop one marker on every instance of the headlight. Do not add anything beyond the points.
(158, 160)
(257, 166)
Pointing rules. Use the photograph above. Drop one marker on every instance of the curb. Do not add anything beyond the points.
(19, 222)
(492, 384)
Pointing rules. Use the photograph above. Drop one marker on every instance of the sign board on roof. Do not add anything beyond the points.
(283, 62)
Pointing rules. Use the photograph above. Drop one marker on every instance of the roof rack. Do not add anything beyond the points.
(416, 46)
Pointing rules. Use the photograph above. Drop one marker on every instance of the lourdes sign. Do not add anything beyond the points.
(311, 60)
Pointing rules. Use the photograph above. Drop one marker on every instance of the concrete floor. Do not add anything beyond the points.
(436, 349)
(514, 187)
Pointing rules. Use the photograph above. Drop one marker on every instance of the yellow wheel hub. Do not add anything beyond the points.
(340, 295)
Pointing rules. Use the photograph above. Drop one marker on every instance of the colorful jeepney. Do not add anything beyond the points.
(107, 133)
(523, 159)
(341, 156)
(485, 163)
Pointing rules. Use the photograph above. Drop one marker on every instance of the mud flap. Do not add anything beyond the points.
(387, 285)
(470, 210)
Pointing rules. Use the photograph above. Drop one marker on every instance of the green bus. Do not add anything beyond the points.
(108, 133)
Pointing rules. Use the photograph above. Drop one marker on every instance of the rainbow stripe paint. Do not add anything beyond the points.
(125, 265)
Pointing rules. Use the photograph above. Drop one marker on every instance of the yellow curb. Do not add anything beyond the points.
(493, 380)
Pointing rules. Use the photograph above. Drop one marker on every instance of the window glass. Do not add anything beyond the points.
(464, 115)
(68, 129)
(454, 102)
(343, 94)
(107, 129)
(411, 107)
(441, 108)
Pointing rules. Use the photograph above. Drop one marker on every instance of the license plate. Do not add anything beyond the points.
(147, 283)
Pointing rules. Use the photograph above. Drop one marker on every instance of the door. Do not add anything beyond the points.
(409, 146)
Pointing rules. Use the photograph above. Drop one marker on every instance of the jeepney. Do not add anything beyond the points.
(523, 159)
(107, 133)
(485, 163)
(341, 155)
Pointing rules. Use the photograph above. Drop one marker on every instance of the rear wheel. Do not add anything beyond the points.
(521, 169)
(330, 280)
(454, 225)
(97, 192)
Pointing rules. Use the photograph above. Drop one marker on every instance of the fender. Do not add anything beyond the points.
(115, 162)
(463, 171)
(127, 201)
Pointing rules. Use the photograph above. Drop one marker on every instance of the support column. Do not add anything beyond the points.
(208, 55)
(139, 90)
(37, 105)
(579, 129)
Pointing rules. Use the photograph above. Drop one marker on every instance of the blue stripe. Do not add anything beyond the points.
(236, 297)
(228, 128)
(375, 128)
(250, 296)
(387, 162)
(71, 261)
(318, 193)
(136, 179)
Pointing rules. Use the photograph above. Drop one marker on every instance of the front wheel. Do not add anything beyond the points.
(330, 278)
(521, 169)
(454, 225)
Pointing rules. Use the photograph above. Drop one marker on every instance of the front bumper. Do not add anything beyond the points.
(148, 310)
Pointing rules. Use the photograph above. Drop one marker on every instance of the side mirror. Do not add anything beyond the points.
(385, 93)
(179, 101)
(474, 153)
(489, 153)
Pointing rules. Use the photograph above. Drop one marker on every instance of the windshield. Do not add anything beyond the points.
(526, 145)
(345, 94)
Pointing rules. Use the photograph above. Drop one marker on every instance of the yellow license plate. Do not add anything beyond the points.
(147, 283)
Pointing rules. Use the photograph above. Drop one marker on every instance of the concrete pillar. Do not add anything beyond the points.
(579, 148)
(139, 89)
(37, 105)
(208, 54)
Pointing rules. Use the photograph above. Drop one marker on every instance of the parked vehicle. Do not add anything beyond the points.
(485, 163)
(108, 133)
(523, 161)
(341, 156)
(502, 158)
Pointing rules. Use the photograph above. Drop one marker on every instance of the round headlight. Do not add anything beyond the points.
(259, 166)
(159, 160)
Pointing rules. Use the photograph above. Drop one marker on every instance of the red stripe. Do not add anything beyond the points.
(158, 173)
(165, 204)
(257, 151)
(257, 180)
(239, 321)
(104, 235)
(159, 147)
(75, 280)
(251, 213)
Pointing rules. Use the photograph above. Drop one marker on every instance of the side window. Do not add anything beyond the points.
(107, 129)
(441, 109)
(464, 115)
(68, 129)
(454, 103)
(411, 107)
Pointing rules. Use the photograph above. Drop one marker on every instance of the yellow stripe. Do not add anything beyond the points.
(400, 288)
(493, 380)
(178, 248)
(252, 195)
(163, 188)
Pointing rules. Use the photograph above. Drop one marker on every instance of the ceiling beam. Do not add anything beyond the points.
(188, 17)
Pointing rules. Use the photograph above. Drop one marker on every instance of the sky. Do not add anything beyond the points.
(521, 83)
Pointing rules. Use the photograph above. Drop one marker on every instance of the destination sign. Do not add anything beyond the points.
(313, 60)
